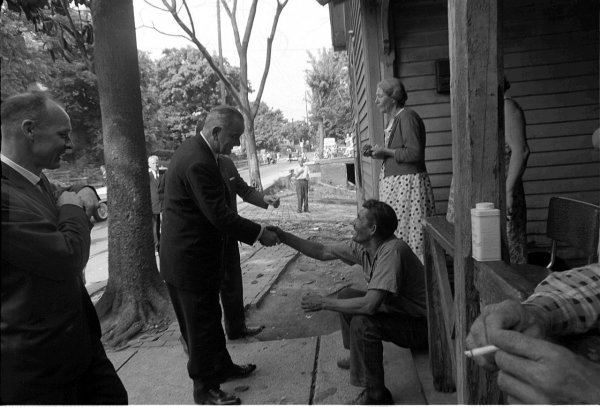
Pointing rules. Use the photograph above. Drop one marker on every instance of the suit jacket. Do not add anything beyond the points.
(48, 322)
(197, 218)
(157, 186)
(237, 186)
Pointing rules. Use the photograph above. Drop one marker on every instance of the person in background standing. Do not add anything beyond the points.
(516, 153)
(301, 177)
(403, 181)
(157, 188)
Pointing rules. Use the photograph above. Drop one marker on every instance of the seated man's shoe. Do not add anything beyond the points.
(246, 332)
(235, 372)
(369, 398)
(344, 363)
(215, 397)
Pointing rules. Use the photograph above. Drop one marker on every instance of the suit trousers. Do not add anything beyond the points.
(156, 230)
(363, 335)
(232, 290)
(99, 384)
(199, 317)
(302, 193)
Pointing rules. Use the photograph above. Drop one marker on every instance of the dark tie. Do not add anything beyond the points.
(46, 189)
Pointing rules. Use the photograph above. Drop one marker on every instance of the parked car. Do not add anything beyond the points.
(101, 212)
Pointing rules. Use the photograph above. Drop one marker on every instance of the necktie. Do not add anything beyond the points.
(45, 189)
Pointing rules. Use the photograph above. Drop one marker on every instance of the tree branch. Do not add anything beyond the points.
(156, 7)
(234, 25)
(165, 33)
(187, 9)
(76, 35)
(263, 80)
(234, 93)
(249, 24)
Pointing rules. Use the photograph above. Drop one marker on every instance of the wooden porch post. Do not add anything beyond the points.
(478, 153)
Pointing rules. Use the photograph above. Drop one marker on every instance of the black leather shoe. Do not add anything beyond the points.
(367, 398)
(235, 372)
(216, 397)
(344, 363)
(246, 332)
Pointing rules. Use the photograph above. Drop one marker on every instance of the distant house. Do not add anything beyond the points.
(550, 56)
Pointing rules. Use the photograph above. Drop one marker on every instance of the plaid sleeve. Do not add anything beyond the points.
(571, 298)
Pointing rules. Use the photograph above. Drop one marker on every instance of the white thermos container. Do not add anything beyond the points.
(485, 232)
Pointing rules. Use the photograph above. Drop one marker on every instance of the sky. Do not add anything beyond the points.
(303, 26)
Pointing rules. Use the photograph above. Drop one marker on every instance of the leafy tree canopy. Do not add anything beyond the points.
(187, 88)
(328, 81)
(268, 127)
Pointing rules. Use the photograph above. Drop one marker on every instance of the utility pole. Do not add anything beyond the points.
(222, 85)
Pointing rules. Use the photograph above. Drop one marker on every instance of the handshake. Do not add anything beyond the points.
(272, 235)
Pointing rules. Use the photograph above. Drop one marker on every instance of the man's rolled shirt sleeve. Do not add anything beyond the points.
(571, 299)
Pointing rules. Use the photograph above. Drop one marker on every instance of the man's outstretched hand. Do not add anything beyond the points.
(272, 200)
(312, 302)
(269, 238)
(277, 230)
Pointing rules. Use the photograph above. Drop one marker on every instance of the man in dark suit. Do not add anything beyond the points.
(157, 189)
(232, 289)
(51, 350)
(197, 220)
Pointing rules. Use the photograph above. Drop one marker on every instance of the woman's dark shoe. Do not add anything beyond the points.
(344, 363)
(367, 397)
(235, 372)
(216, 397)
(246, 332)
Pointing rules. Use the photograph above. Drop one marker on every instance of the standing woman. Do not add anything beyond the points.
(516, 154)
(403, 182)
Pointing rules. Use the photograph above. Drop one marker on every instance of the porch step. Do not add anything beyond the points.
(332, 385)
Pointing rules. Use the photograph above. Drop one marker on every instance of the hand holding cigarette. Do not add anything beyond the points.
(507, 315)
(484, 350)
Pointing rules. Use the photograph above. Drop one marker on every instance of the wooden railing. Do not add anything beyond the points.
(495, 282)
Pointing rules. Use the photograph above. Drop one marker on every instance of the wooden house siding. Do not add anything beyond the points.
(552, 64)
(551, 59)
(421, 38)
(364, 63)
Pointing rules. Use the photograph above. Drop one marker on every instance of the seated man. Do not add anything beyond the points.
(534, 370)
(393, 308)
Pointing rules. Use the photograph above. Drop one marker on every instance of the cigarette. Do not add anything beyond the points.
(484, 350)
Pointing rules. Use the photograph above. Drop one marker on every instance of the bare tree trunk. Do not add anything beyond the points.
(135, 298)
(253, 164)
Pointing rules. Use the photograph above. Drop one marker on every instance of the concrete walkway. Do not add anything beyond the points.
(297, 371)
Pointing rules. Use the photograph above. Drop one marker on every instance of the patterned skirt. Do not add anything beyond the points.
(411, 197)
